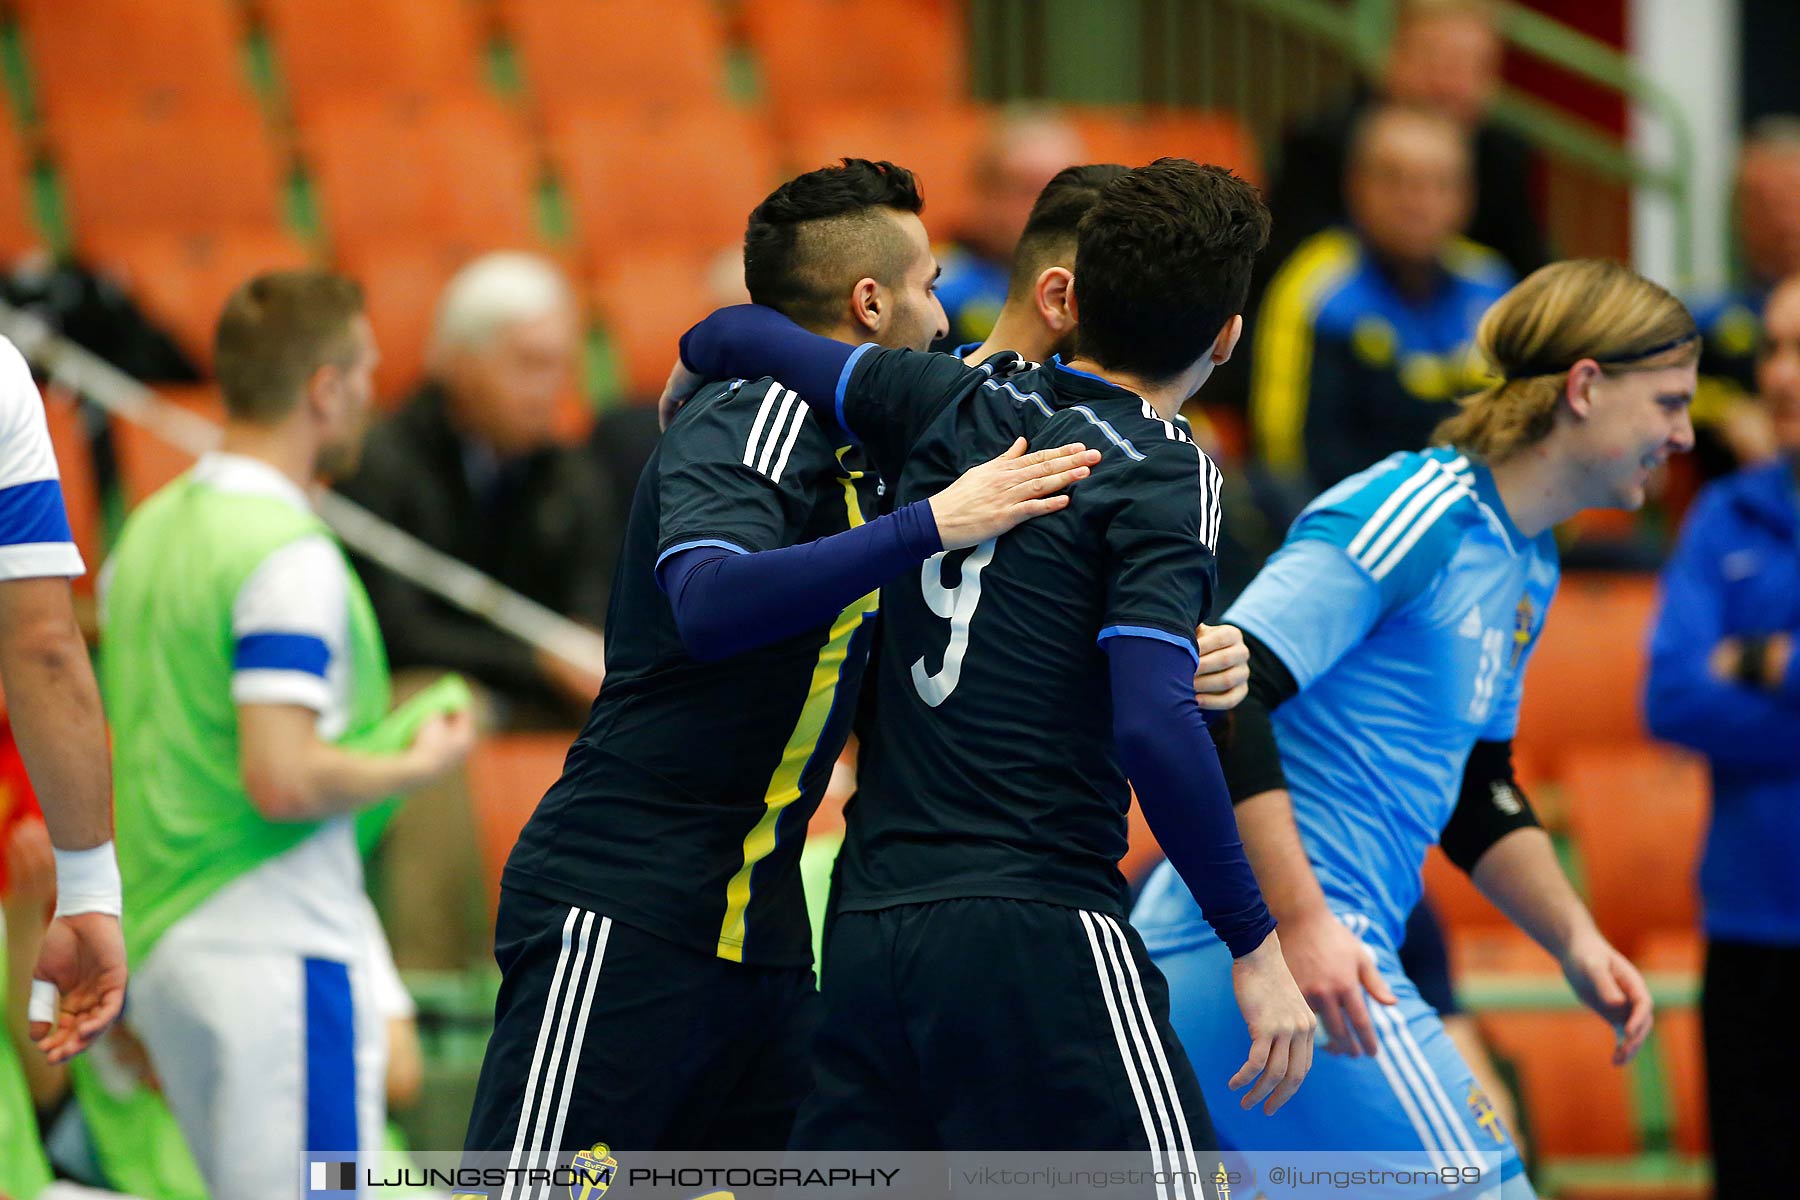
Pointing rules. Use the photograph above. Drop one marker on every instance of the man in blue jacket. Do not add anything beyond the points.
(1724, 681)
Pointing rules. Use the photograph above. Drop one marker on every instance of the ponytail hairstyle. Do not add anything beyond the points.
(1555, 317)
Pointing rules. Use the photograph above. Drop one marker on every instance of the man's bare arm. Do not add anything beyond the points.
(54, 705)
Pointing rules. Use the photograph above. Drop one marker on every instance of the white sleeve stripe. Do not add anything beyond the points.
(41, 560)
(762, 416)
(778, 429)
(1440, 481)
(1169, 431)
(787, 447)
(280, 687)
(1450, 496)
(1395, 499)
(1210, 508)
(1214, 482)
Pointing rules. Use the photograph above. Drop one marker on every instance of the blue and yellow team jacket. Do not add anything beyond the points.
(1346, 370)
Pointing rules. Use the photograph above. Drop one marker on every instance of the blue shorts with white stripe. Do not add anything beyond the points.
(1415, 1104)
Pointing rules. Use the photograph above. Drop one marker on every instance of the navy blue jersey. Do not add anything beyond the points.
(683, 805)
(994, 772)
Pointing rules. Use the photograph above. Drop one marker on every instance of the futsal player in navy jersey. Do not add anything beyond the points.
(657, 990)
(982, 990)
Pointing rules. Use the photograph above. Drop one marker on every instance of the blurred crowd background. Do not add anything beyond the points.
(540, 195)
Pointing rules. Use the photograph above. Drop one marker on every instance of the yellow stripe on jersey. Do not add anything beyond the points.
(1281, 370)
(784, 785)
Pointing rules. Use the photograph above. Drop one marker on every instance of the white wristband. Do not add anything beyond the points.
(42, 1005)
(87, 881)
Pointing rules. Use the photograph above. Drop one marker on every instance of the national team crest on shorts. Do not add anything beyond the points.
(594, 1169)
(1485, 1116)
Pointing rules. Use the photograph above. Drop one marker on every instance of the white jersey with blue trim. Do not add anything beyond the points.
(1406, 604)
(34, 526)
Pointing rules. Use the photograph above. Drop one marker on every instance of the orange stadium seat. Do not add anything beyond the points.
(647, 298)
(178, 167)
(1460, 907)
(692, 173)
(146, 460)
(18, 230)
(145, 51)
(1638, 816)
(401, 282)
(1135, 136)
(1678, 1037)
(1575, 1100)
(938, 145)
(1109, 132)
(1586, 678)
(461, 171)
(80, 485)
(182, 279)
(399, 48)
(816, 53)
(618, 51)
(508, 775)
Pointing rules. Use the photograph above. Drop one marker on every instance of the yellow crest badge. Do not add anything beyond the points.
(594, 1169)
(1485, 1116)
(1523, 622)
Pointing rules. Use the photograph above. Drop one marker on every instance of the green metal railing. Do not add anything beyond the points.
(1271, 61)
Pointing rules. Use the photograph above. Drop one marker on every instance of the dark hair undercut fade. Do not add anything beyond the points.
(1049, 236)
(818, 233)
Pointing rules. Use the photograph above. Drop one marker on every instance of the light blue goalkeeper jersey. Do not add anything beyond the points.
(1406, 603)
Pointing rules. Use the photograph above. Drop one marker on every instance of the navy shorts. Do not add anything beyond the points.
(992, 1024)
(605, 1033)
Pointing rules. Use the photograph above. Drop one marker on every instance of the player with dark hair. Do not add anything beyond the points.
(982, 988)
(654, 895)
(1037, 321)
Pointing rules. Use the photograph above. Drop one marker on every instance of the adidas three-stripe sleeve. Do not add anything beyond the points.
(1363, 550)
(735, 471)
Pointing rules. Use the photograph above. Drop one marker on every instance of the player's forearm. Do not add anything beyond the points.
(1272, 842)
(750, 341)
(1265, 811)
(1523, 878)
(725, 604)
(1167, 753)
(54, 707)
(25, 938)
(324, 781)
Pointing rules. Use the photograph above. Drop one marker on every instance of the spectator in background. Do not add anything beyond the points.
(471, 465)
(1366, 334)
(1446, 57)
(1724, 680)
(1023, 151)
(242, 663)
(1768, 228)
